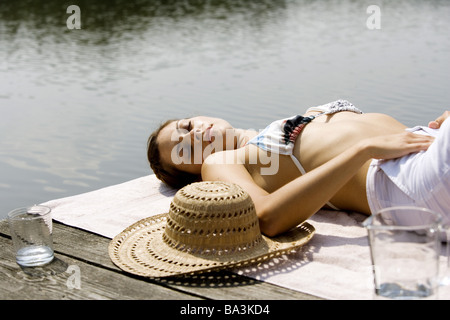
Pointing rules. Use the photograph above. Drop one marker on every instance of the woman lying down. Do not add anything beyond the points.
(333, 156)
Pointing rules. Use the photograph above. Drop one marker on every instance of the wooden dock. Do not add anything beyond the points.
(82, 270)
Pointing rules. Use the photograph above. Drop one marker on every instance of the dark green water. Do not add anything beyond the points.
(77, 106)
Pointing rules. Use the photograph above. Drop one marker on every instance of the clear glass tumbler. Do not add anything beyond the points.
(31, 232)
(405, 249)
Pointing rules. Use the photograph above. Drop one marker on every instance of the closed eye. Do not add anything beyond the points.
(182, 124)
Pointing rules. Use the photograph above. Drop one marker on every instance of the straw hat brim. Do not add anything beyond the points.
(140, 250)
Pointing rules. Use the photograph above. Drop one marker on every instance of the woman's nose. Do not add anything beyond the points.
(195, 134)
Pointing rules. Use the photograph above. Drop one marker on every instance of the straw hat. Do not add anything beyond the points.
(210, 225)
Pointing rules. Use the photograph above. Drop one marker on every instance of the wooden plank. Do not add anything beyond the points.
(214, 285)
(67, 278)
(93, 249)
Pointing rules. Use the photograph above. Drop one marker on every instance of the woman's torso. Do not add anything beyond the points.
(322, 140)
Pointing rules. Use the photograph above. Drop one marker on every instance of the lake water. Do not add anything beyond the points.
(77, 105)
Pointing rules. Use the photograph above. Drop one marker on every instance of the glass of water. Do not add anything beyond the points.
(405, 249)
(31, 232)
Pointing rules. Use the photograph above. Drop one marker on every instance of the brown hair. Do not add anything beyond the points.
(166, 173)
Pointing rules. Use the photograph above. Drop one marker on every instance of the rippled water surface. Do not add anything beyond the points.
(77, 106)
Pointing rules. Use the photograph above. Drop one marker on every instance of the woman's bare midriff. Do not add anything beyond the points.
(322, 140)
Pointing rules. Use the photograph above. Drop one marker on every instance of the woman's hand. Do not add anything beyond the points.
(397, 145)
(436, 124)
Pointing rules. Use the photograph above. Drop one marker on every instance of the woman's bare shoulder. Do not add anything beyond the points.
(230, 166)
(226, 157)
(225, 166)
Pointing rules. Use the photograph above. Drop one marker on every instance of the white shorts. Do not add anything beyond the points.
(420, 179)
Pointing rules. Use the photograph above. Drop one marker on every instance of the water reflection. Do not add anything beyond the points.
(77, 105)
(113, 16)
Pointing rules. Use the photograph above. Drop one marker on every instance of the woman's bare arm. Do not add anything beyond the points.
(302, 197)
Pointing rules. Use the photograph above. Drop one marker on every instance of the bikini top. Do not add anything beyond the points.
(279, 136)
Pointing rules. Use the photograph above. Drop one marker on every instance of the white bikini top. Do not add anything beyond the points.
(279, 136)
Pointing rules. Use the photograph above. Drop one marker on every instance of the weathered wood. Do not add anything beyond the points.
(104, 280)
(58, 280)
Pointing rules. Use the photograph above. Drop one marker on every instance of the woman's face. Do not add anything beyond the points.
(186, 143)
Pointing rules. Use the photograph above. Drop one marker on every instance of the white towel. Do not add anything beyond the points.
(335, 264)
(109, 210)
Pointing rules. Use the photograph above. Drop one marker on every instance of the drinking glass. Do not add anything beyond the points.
(405, 249)
(31, 232)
